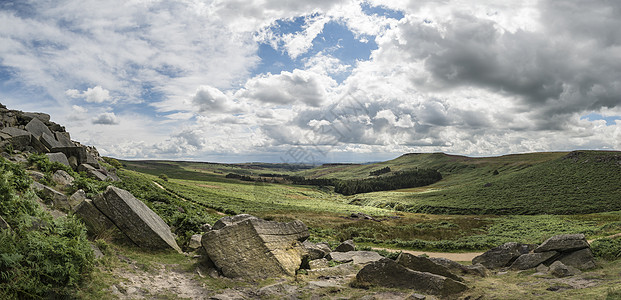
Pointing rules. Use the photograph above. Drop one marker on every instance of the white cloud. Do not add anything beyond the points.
(108, 118)
(96, 94)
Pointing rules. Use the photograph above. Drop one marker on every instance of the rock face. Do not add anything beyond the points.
(96, 222)
(581, 259)
(58, 199)
(501, 256)
(255, 248)
(563, 243)
(559, 269)
(230, 220)
(135, 219)
(388, 273)
(58, 157)
(316, 251)
(424, 264)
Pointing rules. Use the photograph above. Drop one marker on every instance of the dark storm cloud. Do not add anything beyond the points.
(572, 65)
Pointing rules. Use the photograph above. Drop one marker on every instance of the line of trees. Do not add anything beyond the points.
(380, 171)
(399, 180)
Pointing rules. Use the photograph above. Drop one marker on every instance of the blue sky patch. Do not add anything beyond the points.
(381, 11)
(610, 120)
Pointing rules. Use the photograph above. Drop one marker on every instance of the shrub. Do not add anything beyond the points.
(607, 248)
(40, 256)
(113, 162)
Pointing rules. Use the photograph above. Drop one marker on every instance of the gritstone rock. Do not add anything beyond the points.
(230, 220)
(255, 248)
(195, 242)
(532, 260)
(316, 251)
(135, 219)
(318, 264)
(424, 264)
(357, 257)
(345, 246)
(388, 273)
(38, 128)
(96, 222)
(501, 256)
(563, 243)
(582, 259)
(59, 199)
(559, 269)
(77, 198)
(61, 177)
(58, 157)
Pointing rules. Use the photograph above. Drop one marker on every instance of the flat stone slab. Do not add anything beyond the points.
(424, 264)
(532, 260)
(143, 226)
(563, 243)
(357, 257)
(582, 259)
(38, 128)
(96, 222)
(501, 256)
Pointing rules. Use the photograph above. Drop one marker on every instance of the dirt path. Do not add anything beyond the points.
(163, 280)
(467, 256)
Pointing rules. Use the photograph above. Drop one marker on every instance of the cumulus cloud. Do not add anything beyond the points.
(107, 118)
(210, 99)
(287, 88)
(96, 94)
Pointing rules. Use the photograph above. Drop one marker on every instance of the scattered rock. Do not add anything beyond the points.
(501, 256)
(338, 270)
(357, 257)
(195, 242)
(205, 227)
(255, 248)
(58, 157)
(318, 264)
(581, 259)
(135, 219)
(559, 269)
(542, 268)
(362, 216)
(478, 270)
(416, 296)
(388, 273)
(58, 199)
(531, 260)
(563, 243)
(96, 251)
(346, 246)
(36, 175)
(64, 139)
(424, 264)
(62, 178)
(316, 251)
(77, 198)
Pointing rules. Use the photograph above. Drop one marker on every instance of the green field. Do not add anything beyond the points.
(479, 203)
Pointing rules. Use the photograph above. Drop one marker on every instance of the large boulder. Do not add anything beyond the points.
(77, 198)
(582, 259)
(58, 157)
(38, 128)
(316, 251)
(501, 256)
(96, 222)
(64, 139)
(357, 257)
(424, 264)
(256, 248)
(388, 273)
(20, 139)
(62, 178)
(532, 260)
(143, 226)
(457, 268)
(563, 243)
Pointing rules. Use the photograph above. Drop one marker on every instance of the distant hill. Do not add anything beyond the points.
(532, 183)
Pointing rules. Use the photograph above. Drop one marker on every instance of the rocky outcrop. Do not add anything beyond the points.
(424, 264)
(230, 220)
(559, 269)
(144, 227)
(571, 250)
(388, 273)
(316, 251)
(501, 256)
(52, 196)
(254, 248)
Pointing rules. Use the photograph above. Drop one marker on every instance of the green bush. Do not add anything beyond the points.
(40, 256)
(607, 248)
(113, 162)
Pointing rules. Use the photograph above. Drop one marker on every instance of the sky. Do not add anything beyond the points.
(317, 81)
